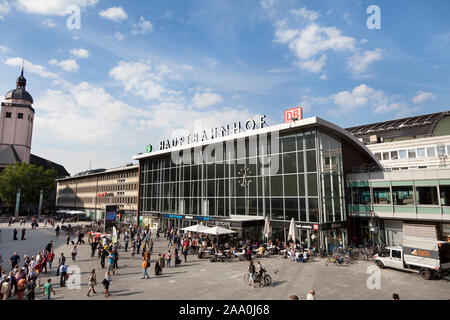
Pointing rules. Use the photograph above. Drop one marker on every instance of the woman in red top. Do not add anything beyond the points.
(50, 258)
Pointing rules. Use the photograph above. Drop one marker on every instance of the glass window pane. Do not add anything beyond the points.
(427, 195)
(402, 154)
(403, 195)
(290, 185)
(301, 184)
(312, 184)
(289, 162)
(300, 162)
(412, 153)
(313, 210)
(440, 151)
(277, 208)
(385, 155)
(310, 140)
(300, 141)
(431, 152)
(381, 196)
(311, 161)
(276, 186)
(445, 195)
(420, 152)
(394, 155)
(302, 210)
(288, 143)
(378, 155)
(291, 207)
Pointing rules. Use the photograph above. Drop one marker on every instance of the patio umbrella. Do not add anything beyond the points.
(267, 228)
(217, 231)
(291, 234)
(196, 228)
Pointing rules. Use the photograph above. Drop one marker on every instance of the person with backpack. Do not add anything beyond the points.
(92, 282)
(145, 265)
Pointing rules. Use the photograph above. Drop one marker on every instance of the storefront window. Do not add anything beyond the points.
(445, 195)
(361, 195)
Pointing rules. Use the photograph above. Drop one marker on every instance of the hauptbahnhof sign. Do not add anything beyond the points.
(221, 131)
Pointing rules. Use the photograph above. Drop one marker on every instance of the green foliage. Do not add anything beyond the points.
(30, 178)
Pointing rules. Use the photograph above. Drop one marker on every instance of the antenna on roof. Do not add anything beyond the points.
(90, 163)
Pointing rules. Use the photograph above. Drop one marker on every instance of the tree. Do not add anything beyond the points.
(30, 179)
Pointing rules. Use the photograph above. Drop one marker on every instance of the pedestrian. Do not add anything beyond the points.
(63, 274)
(48, 289)
(6, 288)
(57, 230)
(168, 258)
(311, 295)
(99, 249)
(74, 253)
(293, 297)
(92, 282)
(50, 258)
(145, 265)
(126, 241)
(103, 257)
(395, 297)
(62, 260)
(15, 234)
(106, 283)
(14, 260)
(159, 265)
(133, 249)
(185, 253)
(116, 258)
(49, 246)
(68, 238)
(21, 285)
(23, 234)
(111, 259)
(31, 286)
(251, 274)
(93, 247)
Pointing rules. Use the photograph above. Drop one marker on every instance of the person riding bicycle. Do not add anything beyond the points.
(259, 271)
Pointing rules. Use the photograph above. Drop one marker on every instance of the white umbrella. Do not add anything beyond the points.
(267, 228)
(75, 212)
(218, 231)
(291, 234)
(196, 228)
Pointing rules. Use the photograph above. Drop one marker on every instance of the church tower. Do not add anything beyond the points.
(16, 124)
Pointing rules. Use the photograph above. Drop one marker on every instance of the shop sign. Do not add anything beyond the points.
(294, 113)
(203, 218)
(223, 223)
(189, 217)
(105, 194)
(149, 148)
(307, 226)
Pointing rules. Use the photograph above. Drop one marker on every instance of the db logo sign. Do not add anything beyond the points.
(294, 113)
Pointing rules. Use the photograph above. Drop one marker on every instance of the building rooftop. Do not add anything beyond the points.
(416, 126)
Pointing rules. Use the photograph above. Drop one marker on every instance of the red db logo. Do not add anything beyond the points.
(294, 113)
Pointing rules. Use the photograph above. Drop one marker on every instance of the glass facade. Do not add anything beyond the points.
(296, 175)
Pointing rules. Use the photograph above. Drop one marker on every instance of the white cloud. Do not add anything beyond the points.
(306, 14)
(422, 96)
(312, 41)
(359, 62)
(266, 4)
(116, 14)
(4, 9)
(4, 49)
(206, 99)
(80, 53)
(143, 27)
(139, 78)
(48, 23)
(30, 67)
(119, 36)
(53, 7)
(357, 98)
(69, 65)
(362, 41)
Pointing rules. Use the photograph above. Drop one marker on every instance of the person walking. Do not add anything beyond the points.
(116, 258)
(159, 265)
(74, 253)
(103, 257)
(93, 248)
(23, 234)
(185, 253)
(62, 260)
(168, 258)
(126, 241)
(251, 274)
(106, 283)
(31, 286)
(15, 234)
(21, 286)
(145, 265)
(6, 288)
(48, 289)
(92, 282)
(133, 249)
(63, 273)
(311, 295)
(111, 262)
(50, 258)
(68, 238)
(57, 230)
(14, 260)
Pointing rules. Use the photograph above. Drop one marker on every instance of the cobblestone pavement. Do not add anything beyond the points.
(202, 280)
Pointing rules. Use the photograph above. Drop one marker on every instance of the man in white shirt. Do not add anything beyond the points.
(311, 295)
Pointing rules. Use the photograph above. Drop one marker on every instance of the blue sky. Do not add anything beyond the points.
(139, 71)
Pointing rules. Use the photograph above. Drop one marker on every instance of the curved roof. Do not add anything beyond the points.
(422, 125)
(313, 122)
(19, 94)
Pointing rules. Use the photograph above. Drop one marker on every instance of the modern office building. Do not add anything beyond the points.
(413, 190)
(236, 177)
(91, 191)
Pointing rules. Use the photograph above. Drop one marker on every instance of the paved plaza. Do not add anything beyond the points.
(203, 280)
